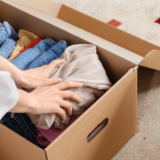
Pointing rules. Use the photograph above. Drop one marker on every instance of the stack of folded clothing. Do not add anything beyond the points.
(81, 64)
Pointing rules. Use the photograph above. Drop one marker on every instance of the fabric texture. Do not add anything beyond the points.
(22, 125)
(51, 54)
(8, 93)
(7, 46)
(25, 39)
(26, 58)
(81, 64)
(45, 137)
(31, 45)
(6, 31)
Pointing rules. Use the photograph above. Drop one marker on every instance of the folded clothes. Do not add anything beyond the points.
(22, 125)
(24, 60)
(25, 39)
(6, 31)
(82, 65)
(31, 45)
(45, 137)
(51, 54)
(6, 48)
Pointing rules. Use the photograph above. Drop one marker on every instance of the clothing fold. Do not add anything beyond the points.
(26, 58)
(25, 38)
(6, 31)
(26, 51)
(7, 46)
(51, 54)
(82, 65)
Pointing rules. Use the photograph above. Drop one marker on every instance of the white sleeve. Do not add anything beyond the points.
(8, 93)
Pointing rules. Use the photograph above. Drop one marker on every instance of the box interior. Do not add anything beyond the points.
(76, 18)
(43, 29)
(117, 68)
(83, 34)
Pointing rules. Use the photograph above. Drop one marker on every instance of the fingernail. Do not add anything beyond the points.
(59, 79)
(81, 84)
(81, 100)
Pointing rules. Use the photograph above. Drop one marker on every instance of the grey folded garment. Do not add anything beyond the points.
(82, 65)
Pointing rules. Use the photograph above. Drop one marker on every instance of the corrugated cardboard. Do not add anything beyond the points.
(48, 6)
(113, 35)
(103, 30)
(116, 105)
(119, 52)
(73, 30)
(151, 60)
(13, 146)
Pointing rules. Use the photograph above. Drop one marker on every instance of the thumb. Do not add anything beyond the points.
(53, 64)
(48, 82)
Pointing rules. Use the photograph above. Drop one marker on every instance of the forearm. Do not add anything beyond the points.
(16, 73)
(32, 78)
(26, 103)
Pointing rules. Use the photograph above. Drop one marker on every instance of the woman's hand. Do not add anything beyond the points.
(32, 78)
(38, 77)
(49, 99)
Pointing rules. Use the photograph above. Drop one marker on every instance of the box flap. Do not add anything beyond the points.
(125, 40)
(152, 60)
(106, 31)
(45, 6)
(76, 31)
(114, 35)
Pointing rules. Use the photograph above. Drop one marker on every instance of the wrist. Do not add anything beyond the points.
(21, 81)
(26, 103)
(33, 104)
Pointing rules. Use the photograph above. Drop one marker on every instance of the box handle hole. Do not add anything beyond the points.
(97, 130)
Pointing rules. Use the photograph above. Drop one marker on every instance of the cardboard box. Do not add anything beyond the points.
(120, 54)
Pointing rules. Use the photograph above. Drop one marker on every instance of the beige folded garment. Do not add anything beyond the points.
(25, 38)
(83, 65)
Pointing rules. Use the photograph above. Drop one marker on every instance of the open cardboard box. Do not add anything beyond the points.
(120, 54)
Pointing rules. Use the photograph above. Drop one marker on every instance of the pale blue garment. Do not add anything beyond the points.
(24, 60)
(7, 46)
(6, 31)
(51, 54)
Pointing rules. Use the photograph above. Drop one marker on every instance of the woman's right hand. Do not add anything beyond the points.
(49, 99)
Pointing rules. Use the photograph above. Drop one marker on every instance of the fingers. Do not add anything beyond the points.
(71, 95)
(44, 66)
(66, 105)
(48, 82)
(53, 64)
(67, 85)
(61, 112)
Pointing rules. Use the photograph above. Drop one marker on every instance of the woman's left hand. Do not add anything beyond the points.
(38, 77)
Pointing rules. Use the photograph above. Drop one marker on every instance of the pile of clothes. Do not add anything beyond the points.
(26, 50)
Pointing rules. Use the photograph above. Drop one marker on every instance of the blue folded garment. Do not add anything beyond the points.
(7, 47)
(10, 31)
(51, 54)
(6, 31)
(24, 60)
